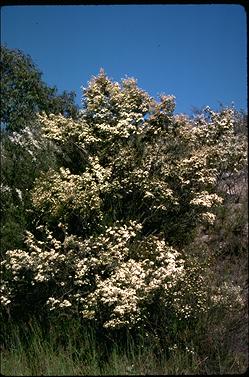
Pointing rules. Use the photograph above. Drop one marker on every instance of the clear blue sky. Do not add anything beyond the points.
(195, 52)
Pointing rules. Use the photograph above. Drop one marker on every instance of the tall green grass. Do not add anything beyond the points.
(71, 350)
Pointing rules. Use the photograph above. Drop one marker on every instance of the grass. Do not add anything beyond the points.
(28, 352)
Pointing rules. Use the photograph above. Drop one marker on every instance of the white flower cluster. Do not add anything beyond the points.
(60, 129)
(228, 294)
(209, 217)
(62, 190)
(206, 200)
(133, 284)
(24, 138)
(53, 303)
(111, 278)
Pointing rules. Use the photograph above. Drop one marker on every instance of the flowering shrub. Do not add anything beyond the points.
(110, 278)
(133, 183)
(143, 162)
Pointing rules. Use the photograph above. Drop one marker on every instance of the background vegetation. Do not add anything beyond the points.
(124, 231)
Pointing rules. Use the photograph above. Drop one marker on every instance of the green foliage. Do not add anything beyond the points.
(23, 156)
(23, 93)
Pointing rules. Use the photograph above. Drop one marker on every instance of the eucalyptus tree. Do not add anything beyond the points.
(23, 153)
(24, 93)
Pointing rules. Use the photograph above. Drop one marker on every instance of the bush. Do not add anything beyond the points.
(113, 221)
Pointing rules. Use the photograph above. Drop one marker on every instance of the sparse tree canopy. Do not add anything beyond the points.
(23, 93)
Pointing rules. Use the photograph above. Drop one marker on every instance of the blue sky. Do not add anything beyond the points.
(195, 52)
